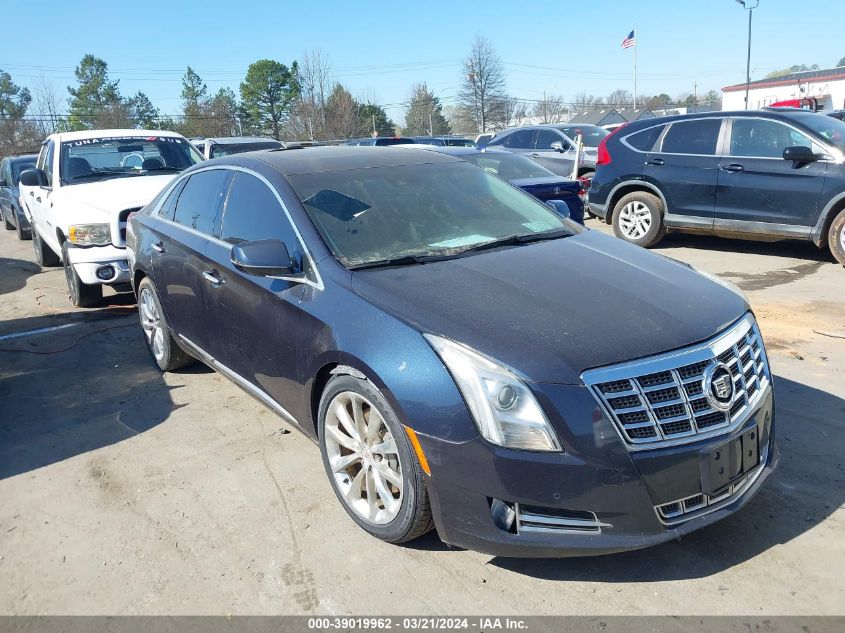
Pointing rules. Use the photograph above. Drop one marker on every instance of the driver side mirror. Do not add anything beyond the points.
(34, 178)
(800, 154)
(265, 258)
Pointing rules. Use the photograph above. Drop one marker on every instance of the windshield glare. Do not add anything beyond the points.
(508, 166)
(592, 134)
(109, 157)
(829, 128)
(442, 209)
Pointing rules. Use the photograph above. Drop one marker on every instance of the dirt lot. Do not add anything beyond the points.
(125, 492)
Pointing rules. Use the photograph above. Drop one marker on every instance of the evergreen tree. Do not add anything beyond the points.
(95, 102)
(142, 111)
(424, 115)
(267, 96)
(373, 116)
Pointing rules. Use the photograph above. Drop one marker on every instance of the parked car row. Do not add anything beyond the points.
(11, 211)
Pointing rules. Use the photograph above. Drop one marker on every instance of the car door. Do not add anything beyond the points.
(757, 185)
(38, 199)
(6, 187)
(685, 168)
(180, 262)
(557, 161)
(256, 318)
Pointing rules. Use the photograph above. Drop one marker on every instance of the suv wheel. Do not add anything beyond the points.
(44, 255)
(81, 295)
(638, 218)
(160, 342)
(371, 466)
(836, 237)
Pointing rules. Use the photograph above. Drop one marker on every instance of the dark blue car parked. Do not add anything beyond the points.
(465, 358)
(768, 174)
(11, 213)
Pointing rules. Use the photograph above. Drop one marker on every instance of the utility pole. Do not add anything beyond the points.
(375, 134)
(746, 4)
(695, 92)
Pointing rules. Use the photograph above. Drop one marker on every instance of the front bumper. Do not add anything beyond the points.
(596, 477)
(88, 260)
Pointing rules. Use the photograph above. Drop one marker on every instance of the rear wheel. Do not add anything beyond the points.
(370, 463)
(9, 225)
(81, 294)
(836, 237)
(163, 348)
(44, 255)
(23, 234)
(638, 218)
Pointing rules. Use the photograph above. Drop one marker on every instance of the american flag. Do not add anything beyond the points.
(629, 41)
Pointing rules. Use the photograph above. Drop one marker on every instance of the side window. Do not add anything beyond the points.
(645, 140)
(5, 173)
(253, 213)
(47, 153)
(697, 136)
(169, 206)
(762, 138)
(545, 138)
(200, 200)
(520, 139)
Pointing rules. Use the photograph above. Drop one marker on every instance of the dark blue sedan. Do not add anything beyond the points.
(529, 176)
(464, 357)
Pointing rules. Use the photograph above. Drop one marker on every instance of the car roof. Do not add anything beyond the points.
(321, 159)
(232, 140)
(784, 114)
(83, 134)
(457, 150)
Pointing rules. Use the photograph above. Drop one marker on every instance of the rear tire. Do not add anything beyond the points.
(356, 427)
(9, 225)
(81, 294)
(160, 342)
(836, 237)
(44, 255)
(638, 218)
(23, 234)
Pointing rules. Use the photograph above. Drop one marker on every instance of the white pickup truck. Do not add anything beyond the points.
(81, 193)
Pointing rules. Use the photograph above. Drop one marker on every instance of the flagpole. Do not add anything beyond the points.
(636, 45)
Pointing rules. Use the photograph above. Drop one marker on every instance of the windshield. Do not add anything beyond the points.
(508, 166)
(219, 149)
(591, 134)
(832, 130)
(458, 142)
(442, 209)
(115, 156)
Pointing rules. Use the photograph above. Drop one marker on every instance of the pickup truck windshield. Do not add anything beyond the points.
(90, 159)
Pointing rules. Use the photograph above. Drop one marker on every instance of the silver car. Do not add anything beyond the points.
(553, 146)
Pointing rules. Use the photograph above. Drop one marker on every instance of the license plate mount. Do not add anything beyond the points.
(730, 461)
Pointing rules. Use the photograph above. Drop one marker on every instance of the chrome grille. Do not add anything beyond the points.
(662, 400)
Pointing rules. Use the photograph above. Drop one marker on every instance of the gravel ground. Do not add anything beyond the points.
(123, 491)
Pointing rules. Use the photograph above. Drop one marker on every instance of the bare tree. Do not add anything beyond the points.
(482, 96)
(550, 109)
(48, 107)
(514, 111)
(308, 119)
(584, 101)
(620, 98)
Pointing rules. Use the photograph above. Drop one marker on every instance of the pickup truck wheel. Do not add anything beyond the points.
(23, 234)
(836, 237)
(81, 295)
(44, 255)
(638, 218)
(163, 348)
(9, 225)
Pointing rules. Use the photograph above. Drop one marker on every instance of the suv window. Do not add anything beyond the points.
(763, 138)
(200, 200)
(698, 136)
(520, 139)
(253, 213)
(645, 140)
(545, 138)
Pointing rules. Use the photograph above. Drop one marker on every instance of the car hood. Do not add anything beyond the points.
(115, 194)
(550, 310)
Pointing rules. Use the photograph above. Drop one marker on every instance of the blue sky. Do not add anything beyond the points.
(379, 49)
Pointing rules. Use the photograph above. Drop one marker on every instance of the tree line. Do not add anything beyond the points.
(301, 101)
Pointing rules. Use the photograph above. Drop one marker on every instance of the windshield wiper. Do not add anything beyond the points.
(105, 172)
(404, 260)
(514, 240)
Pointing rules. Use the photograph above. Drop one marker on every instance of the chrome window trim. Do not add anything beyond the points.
(671, 362)
(624, 139)
(315, 283)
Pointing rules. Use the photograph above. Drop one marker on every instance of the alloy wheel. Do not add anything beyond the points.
(151, 323)
(842, 238)
(635, 220)
(363, 458)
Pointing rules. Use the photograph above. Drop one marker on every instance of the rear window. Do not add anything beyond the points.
(645, 139)
(697, 136)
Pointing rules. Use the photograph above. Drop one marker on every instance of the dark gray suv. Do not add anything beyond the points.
(755, 174)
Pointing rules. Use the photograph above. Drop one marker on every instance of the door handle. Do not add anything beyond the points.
(158, 247)
(210, 276)
(733, 167)
(657, 162)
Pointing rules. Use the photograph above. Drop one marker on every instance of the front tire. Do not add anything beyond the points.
(44, 255)
(836, 237)
(160, 342)
(9, 225)
(370, 463)
(81, 294)
(638, 218)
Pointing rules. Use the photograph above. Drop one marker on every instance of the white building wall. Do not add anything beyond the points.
(830, 94)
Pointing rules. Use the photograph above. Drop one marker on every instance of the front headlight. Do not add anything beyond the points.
(89, 234)
(503, 407)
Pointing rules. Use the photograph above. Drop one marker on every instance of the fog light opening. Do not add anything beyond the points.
(104, 273)
(504, 515)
